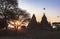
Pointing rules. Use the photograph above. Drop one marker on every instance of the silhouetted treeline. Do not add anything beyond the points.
(9, 11)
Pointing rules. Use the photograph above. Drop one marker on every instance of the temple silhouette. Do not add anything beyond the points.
(43, 25)
(33, 23)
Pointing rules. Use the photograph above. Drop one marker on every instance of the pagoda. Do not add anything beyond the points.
(45, 25)
(33, 23)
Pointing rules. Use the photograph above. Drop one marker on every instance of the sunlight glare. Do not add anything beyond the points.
(10, 26)
(54, 26)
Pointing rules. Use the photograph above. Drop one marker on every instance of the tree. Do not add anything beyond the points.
(7, 5)
(18, 15)
(3, 23)
(9, 11)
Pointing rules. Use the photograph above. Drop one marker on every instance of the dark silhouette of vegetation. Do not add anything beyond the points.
(9, 11)
(3, 23)
(4, 6)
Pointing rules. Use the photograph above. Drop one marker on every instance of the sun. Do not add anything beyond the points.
(15, 24)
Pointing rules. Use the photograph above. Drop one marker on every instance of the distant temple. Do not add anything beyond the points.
(43, 25)
(33, 23)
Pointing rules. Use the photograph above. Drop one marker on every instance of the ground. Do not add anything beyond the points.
(36, 35)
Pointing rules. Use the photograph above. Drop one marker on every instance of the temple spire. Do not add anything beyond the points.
(33, 22)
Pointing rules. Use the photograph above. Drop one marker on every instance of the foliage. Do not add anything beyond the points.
(9, 11)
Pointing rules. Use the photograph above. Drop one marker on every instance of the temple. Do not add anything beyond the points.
(43, 25)
(33, 23)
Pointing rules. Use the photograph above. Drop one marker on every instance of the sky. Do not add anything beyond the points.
(52, 8)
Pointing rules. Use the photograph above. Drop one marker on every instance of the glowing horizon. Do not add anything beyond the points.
(36, 7)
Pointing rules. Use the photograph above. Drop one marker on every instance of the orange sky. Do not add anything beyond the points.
(50, 19)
